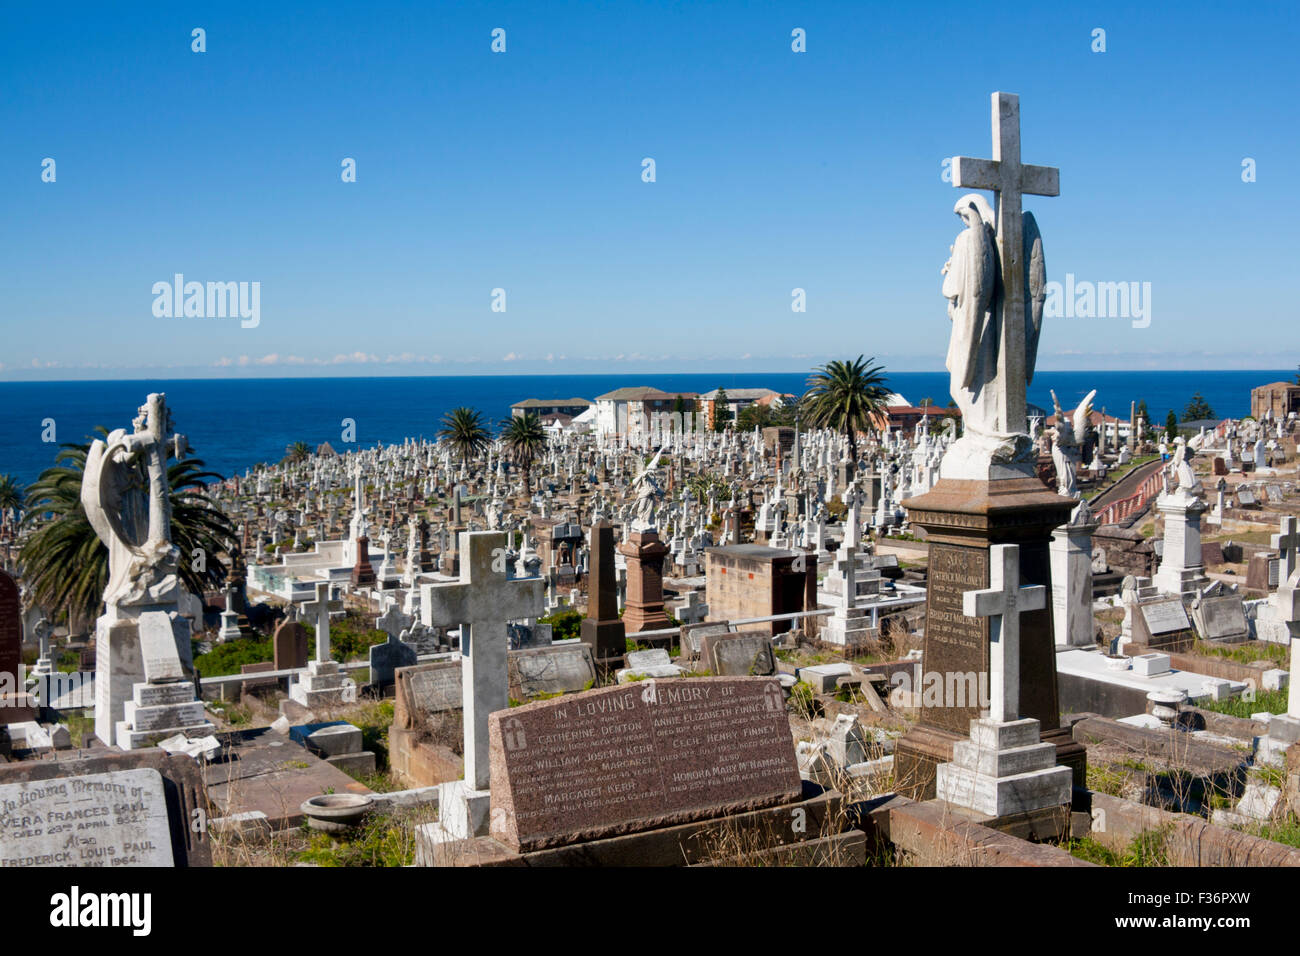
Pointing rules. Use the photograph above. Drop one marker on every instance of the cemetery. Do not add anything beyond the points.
(988, 637)
(655, 626)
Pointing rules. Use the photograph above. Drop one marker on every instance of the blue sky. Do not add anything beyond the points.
(774, 170)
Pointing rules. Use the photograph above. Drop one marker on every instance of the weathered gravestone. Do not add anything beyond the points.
(290, 644)
(1163, 624)
(1263, 571)
(1221, 618)
(693, 636)
(739, 655)
(629, 758)
(557, 669)
(386, 658)
(426, 720)
(115, 809)
(427, 688)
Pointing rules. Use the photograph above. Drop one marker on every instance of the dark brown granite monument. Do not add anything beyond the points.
(644, 608)
(16, 705)
(602, 628)
(362, 573)
(962, 519)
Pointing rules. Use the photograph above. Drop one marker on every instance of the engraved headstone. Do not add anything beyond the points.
(1163, 624)
(634, 757)
(103, 819)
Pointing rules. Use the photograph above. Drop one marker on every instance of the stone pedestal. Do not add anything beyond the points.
(644, 610)
(1003, 769)
(1181, 571)
(363, 574)
(158, 711)
(963, 518)
(323, 685)
(462, 815)
(1071, 565)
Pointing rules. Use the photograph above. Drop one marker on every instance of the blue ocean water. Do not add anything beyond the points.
(235, 423)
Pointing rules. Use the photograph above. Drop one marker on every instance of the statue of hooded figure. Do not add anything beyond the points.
(970, 285)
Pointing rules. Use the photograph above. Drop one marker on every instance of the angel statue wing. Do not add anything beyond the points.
(1035, 291)
(648, 469)
(1082, 413)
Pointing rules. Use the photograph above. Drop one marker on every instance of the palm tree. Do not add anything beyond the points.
(844, 395)
(11, 493)
(525, 439)
(297, 452)
(463, 429)
(66, 565)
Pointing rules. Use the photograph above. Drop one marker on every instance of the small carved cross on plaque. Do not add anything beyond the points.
(1010, 180)
(1003, 603)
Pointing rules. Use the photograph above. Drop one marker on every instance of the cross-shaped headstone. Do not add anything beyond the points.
(693, 610)
(321, 607)
(1005, 175)
(42, 632)
(1286, 542)
(846, 563)
(1003, 602)
(482, 602)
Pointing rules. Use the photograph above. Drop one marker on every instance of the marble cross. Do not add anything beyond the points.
(482, 602)
(1003, 602)
(321, 607)
(1005, 175)
(1286, 542)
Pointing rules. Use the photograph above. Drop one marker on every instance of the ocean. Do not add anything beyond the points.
(235, 423)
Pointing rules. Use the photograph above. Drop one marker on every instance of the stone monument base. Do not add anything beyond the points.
(851, 628)
(462, 816)
(920, 752)
(828, 838)
(158, 711)
(324, 685)
(1003, 769)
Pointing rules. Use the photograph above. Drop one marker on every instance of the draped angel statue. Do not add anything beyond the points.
(648, 496)
(970, 286)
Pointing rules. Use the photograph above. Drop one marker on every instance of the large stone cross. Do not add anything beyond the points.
(1006, 176)
(482, 602)
(321, 607)
(1286, 542)
(1003, 602)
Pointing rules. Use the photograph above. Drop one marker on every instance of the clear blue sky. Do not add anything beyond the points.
(522, 170)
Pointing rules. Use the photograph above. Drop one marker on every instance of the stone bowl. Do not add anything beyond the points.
(1118, 662)
(336, 812)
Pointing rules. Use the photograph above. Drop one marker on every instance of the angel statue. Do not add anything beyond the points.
(127, 498)
(972, 286)
(648, 496)
(1065, 450)
(1180, 470)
